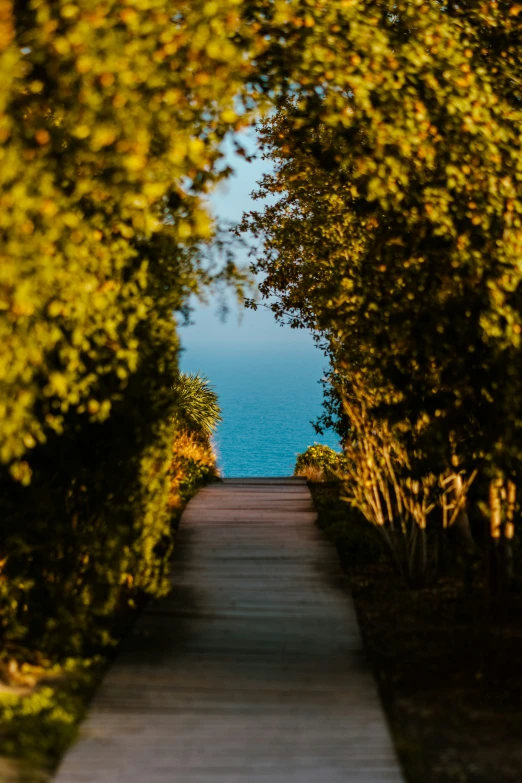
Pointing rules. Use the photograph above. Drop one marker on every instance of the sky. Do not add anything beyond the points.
(242, 326)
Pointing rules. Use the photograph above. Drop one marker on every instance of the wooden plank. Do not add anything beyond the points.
(251, 670)
(290, 480)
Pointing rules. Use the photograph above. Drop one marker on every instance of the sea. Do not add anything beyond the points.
(269, 395)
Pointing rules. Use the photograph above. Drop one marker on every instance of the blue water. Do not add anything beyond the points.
(268, 396)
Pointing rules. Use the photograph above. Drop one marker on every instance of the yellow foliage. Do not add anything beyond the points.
(115, 125)
(193, 460)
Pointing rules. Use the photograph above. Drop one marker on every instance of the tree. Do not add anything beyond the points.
(111, 120)
(397, 234)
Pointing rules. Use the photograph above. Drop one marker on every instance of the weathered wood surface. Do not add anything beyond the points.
(251, 671)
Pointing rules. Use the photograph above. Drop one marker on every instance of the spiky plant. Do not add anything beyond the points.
(197, 402)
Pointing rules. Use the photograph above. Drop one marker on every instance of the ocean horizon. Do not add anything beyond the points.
(269, 395)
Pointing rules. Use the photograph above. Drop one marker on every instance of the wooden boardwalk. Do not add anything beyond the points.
(251, 671)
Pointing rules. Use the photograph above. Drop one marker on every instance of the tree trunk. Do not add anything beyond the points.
(462, 521)
(502, 502)
(493, 535)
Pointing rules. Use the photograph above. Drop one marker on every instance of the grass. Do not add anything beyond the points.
(39, 716)
(449, 673)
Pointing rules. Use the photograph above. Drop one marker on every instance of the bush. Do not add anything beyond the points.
(320, 463)
(91, 529)
(101, 232)
(193, 463)
(197, 403)
(357, 542)
(94, 527)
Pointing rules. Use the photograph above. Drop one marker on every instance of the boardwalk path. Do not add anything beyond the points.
(251, 671)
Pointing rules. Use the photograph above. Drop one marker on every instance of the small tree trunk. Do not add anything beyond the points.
(502, 502)
(462, 521)
(508, 531)
(493, 537)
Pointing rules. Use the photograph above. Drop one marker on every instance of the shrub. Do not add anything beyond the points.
(94, 527)
(102, 225)
(196, 402)
(193, 463)
(356, 540)
(320, 463)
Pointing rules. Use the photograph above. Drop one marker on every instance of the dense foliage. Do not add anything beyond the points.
(397, 143)
(111, 118)
(396, 236)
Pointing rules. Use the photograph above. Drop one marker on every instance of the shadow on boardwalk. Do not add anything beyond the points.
(251, 670)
